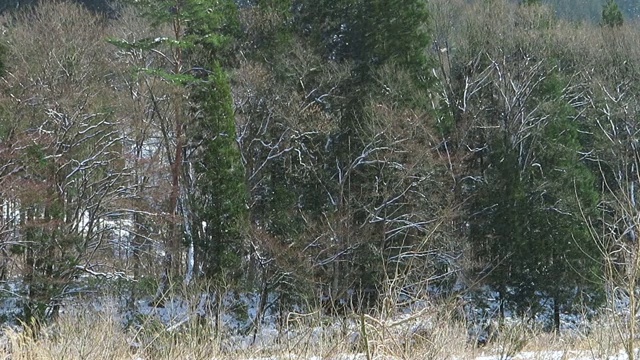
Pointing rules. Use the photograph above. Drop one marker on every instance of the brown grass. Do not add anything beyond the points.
(432, 333)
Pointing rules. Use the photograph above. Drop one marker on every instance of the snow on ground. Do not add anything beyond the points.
(238, 313)
(527, 355)
(553, 355)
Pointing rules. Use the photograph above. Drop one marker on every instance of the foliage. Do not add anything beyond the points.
(320, 150)
(203, 158)
(60, 178)
(219, 203)
(369, 33)
(611, 14)
(516, 125)
(527, 223)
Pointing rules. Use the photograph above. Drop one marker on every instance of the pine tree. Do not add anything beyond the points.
(369, 33)
(367, 37)
(219, 202)
(527, 223)
(611, 15)
(202, 151)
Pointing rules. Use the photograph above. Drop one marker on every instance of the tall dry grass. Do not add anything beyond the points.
(432, 330)
(431, 333)
(88, 334)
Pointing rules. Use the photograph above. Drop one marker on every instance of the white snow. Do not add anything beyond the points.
(553, 355)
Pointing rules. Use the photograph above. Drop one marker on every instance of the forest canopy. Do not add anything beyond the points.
(323, 151)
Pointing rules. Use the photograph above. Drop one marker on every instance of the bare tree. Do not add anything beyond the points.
(67, 148)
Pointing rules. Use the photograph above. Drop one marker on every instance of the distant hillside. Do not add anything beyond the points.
(103, 6)
(591, 10)
(576, 10)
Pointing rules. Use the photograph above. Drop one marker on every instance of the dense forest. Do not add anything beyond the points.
(337, 153)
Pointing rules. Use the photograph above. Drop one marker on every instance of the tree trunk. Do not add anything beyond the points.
(501, 299)
(261, 307)
(556, 316)
(163, 285)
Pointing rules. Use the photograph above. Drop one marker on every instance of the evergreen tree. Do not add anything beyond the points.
(219, 202)
(527, 223)
(369, 33)
(206, 191)
(366, 36)
(611, 14)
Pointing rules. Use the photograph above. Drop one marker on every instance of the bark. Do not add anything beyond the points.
(556, 316)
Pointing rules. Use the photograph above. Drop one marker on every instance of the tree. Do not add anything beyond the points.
(526, 221)
(65, 173)
(219, 202)
(611, 15)
(614, 153)
(511, 122)
(201, 34)
(326, 164)
(104, 7)
(367, 38)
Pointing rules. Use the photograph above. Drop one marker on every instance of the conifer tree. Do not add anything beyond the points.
(219, 202)
(201, 147)
(611, 14)
(527, 214)
(367, 37)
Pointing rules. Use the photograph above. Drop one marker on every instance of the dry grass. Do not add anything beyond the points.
(75, 336)
(91, 334)
(428, 334)
(86, 333)
(432, 333)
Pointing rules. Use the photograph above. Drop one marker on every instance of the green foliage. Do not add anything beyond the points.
(370, 38)
(272, 34)
(202, 27)
(221, 198)
(369, 33)
(528, 223)
(611, 14)
(35, 154)
(213, 27)
(202, 39)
